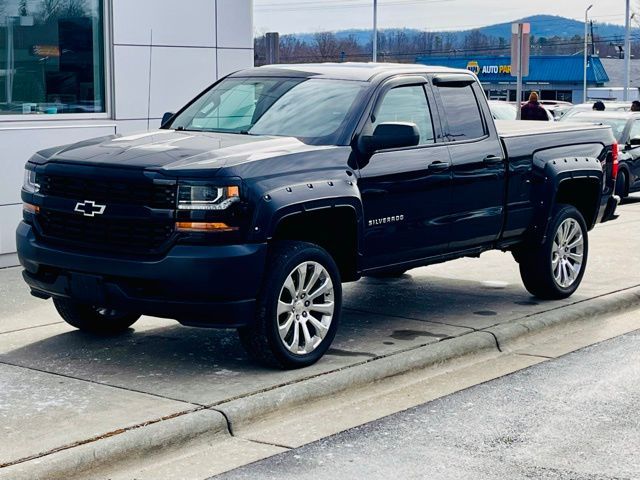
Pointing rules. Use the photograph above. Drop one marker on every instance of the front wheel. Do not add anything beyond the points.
(92, 319)
(554, 269)
(298, 308)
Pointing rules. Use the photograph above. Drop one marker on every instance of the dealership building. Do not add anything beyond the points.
(76, 69)
(555, 77)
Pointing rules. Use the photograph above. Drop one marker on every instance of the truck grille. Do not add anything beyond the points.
(116, 235)
(109, 190)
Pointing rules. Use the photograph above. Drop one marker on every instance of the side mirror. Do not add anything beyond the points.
(635, 142)
(390, 135)
(166, 118)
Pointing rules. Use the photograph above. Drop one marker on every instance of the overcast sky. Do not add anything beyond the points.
(289, 16)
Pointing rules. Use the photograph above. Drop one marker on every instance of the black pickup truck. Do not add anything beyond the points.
(251, 206)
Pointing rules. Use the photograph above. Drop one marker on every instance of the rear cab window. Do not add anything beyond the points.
(463, 117)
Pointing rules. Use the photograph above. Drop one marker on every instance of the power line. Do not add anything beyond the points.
(338, 5)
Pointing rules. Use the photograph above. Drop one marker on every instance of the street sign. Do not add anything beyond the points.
(520, 53)
(520, 47)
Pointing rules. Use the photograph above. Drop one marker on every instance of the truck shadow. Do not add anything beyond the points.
(163, 358)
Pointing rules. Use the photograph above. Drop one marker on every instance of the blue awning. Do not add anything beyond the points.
(544, 69)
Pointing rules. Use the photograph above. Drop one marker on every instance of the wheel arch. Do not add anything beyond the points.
(336, 228)
(570, 181)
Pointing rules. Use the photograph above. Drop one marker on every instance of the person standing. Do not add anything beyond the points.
(532, 110)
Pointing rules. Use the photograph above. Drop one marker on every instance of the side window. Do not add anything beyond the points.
(407, 104)
(635, 130)
(462, 113)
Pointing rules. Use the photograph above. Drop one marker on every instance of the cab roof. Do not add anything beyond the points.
(364, 72)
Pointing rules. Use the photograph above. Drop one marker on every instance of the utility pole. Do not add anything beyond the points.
(627, 50)
(272, 48)
(586, 50)
(375, 31)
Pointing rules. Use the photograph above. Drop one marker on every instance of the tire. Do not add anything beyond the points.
(263, 340)
(621, 185)
(94, 320)
(544, 268)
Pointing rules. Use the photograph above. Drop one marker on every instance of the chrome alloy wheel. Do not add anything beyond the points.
(305, 308)
(567, 253)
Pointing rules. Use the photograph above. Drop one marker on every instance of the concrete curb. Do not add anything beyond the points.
(211, 424)
(515, 332)
(248, 409)
(76, 462)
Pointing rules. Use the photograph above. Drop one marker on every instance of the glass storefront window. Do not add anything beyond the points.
(51, 57)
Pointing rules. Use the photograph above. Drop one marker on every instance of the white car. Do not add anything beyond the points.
(501, 110)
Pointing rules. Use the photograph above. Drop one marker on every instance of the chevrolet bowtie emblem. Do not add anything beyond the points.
(90, 208)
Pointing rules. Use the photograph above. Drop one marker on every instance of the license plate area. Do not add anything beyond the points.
(87, 288)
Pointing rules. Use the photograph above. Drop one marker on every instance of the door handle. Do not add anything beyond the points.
(438, 167)
(492, 160)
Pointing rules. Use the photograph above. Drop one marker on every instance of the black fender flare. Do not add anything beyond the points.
(287, 201)
(548, 182)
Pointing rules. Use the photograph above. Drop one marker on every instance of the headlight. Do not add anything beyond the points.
(207, 197)
(30, 185)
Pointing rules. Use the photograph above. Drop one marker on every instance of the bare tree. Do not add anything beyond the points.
(23, 9)
(51, 10)
(326, 46)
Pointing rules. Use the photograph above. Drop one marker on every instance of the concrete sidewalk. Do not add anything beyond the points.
(62, 391)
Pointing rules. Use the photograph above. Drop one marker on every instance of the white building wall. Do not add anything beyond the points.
(162, 54)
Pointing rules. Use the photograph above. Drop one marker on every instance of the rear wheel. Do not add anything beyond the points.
(621, 185)
(93, 319)
(554, 269)
(298, 308)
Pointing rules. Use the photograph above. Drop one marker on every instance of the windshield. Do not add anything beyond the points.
(617, 124)
(312, 110)
(503, 111)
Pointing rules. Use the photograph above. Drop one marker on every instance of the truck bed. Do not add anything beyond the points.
(515, 128)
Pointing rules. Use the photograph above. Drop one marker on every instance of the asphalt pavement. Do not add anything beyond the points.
(575, 417)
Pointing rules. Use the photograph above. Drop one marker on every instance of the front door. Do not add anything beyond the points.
(406, 192)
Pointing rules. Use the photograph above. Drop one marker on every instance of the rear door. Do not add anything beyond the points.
(478, 162)
(406, 192)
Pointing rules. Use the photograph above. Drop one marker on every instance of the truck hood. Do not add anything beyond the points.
(176, 150)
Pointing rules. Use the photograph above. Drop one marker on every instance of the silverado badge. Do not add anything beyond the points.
(383, 221)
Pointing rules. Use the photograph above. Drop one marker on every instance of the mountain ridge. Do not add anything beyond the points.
(541, 26)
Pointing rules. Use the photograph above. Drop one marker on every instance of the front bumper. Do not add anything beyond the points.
(209, 286)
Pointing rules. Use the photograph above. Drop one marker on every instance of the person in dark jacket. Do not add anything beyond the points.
(532, 110)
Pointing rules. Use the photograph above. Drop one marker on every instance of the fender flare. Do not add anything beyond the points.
(287, 201)
(555, 173)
